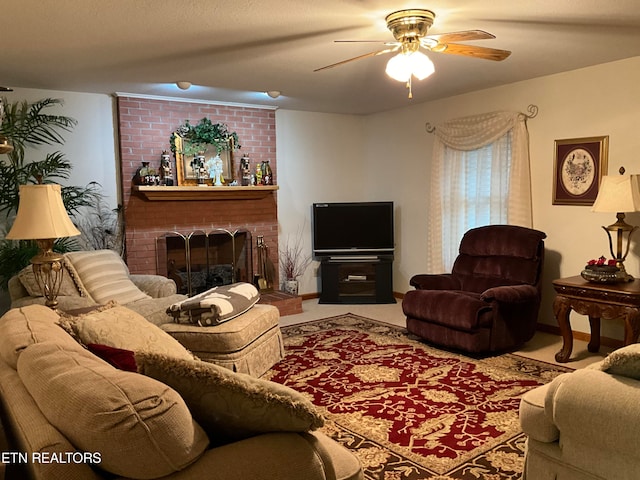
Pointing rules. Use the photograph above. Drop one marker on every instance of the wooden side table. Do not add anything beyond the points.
(597, 300)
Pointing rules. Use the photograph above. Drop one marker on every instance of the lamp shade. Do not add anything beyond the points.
(618, 193)
(41, 214)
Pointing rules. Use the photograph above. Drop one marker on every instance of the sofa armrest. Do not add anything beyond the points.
(594, 408)
(511, 294)
(285, 456)
(445, 281)
(155, 286)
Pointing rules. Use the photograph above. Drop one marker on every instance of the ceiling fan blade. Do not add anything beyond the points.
(472, 51)
(366, 55)
(463, 36)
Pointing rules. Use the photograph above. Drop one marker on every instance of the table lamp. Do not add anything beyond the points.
(42, 217)
(619, 194)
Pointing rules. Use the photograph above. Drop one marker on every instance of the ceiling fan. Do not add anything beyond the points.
(409, 28)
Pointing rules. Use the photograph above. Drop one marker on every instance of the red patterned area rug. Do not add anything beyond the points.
(407, 410)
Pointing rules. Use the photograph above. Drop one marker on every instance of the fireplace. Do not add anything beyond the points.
(198, 260)
(145, 127)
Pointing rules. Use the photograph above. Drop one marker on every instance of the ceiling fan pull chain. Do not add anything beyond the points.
(409, 88)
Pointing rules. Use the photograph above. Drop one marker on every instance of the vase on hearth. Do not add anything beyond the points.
(291, 286)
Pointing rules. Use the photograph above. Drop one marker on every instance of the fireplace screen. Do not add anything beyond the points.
(198, 261)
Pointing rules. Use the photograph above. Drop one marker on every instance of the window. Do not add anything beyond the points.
(478, 178)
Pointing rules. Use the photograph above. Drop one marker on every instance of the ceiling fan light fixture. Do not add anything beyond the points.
(403, 65)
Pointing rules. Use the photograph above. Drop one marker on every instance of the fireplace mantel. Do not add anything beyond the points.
(161, 193)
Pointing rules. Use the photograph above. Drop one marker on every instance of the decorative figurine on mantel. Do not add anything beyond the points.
(258, 177)
(199, 170)
(165, 170)
(145, 175)
(267, 174)
(214, 166)
(245, 171)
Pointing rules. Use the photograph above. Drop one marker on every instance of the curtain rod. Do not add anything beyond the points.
(532, 111)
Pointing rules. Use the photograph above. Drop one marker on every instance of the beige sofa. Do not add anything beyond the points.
(96, 277)
(251, 343)
(584, 425)
(72, 415)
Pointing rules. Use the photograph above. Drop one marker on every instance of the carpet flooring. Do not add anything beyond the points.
(407, 410)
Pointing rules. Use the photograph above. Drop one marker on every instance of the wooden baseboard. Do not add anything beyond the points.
(311, 296)
(582, 336)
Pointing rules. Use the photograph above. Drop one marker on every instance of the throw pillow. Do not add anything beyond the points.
(216, 305)
(624, 362)
(120, 327)
(28, 280)
(140, 427)
(230, 405)
(118, 357)
(105, 276)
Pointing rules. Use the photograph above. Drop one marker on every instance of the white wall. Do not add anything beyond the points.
(319, 159)
(91, 144)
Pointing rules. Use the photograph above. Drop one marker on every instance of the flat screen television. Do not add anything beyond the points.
(353, 228)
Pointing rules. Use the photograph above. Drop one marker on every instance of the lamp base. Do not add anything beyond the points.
(623, 273)
(48, 270)
(620, 227)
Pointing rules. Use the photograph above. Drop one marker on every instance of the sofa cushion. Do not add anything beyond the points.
(216, 305)
(21, 327)
(155, 309)
(624, 362)
(104, 276)
(28, 280)
(119, 327)
(140, 427)
(228, 405)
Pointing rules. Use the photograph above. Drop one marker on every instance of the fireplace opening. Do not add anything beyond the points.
(198, 261)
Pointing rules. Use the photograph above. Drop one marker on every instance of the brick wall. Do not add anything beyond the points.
(145, 127)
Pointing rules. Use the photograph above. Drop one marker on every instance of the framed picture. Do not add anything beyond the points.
(187, 169)
(579, 164)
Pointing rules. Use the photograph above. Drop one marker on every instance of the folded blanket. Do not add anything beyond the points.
(216, 305)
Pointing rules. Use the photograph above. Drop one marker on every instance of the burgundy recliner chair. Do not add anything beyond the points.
(490, 301)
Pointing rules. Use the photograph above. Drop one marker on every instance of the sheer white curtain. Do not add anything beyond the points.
(479, 176)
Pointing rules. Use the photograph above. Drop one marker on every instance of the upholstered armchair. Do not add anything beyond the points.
(490, 300)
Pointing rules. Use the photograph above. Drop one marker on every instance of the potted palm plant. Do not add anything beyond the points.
(30, 125)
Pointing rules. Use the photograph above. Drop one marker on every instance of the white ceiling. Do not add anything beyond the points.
(231, 50)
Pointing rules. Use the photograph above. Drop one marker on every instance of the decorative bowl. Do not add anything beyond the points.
(603, 274)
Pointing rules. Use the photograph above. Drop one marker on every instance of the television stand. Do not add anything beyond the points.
(357, 279)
